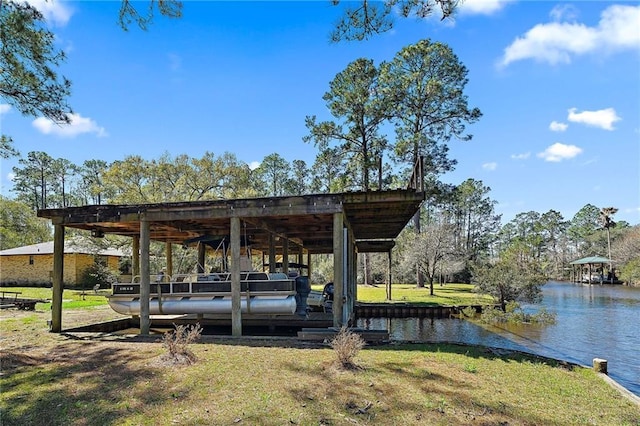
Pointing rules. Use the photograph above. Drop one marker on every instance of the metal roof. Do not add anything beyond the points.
(590, 260)
(375, 218)
(70, 247)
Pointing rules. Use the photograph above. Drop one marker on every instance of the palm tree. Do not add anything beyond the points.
(607, 222)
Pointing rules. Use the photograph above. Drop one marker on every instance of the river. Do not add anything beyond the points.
(593, 321)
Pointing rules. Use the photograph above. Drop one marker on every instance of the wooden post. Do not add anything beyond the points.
(135, 256)
(285, 256)
(236, 306)
(600, 365)
(201, 252)
(58, 278)
(145, 285)
(389, 275)
(168, 250)
(309, 266)
(338, 268)
(272, 253)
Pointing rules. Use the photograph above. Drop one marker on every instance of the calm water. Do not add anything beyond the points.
(593, 321)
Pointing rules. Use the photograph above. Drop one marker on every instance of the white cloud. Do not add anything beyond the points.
(522, 156)
(482, 7)
(11, 176)
(559, 151)
(77, 126)
(564, 12)
(556, 126)
(603, 118)
(254, 165)
(558, 42)
(4, 108)
(490, 166)
(56, 12)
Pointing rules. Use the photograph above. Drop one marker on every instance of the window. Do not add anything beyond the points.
(31, 260)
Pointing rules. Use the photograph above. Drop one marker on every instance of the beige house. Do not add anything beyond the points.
(34, 264)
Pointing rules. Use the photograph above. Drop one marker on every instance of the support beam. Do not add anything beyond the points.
(309, 266)
(338, 268)
(58, 278)
(145, 285)
(168, 251)
(272, 253)
(135, 255)
(285, 255)
(389, 275)
(201, 252)
(236, 307)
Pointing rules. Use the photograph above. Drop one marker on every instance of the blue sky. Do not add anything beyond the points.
(558, 84)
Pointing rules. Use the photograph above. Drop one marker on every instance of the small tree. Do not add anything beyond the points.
(512, 278)
(97, 274)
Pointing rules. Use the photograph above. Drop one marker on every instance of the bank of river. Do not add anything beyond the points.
(593, 321)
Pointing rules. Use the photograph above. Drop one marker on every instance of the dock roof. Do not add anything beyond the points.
(375, 218)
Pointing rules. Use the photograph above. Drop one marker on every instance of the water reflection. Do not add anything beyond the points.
(593, 321)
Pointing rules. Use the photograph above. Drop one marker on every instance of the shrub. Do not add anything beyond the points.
(177, 342)
(514, 314)
(97, 274)
(346, 345)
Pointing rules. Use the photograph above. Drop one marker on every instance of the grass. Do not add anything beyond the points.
(261, 382)
(71, 299)
(446, 295)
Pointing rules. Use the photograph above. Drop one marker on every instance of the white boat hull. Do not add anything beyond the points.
(201, 305)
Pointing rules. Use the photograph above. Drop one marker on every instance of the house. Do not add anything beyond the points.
(34, 264)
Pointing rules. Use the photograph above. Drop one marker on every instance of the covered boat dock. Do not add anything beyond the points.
(342, 224)
(590, 270)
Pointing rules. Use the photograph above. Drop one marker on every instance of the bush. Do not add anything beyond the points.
(176, 343)
(514, 314)
(97, 274)
(630, 272)
(346, 345)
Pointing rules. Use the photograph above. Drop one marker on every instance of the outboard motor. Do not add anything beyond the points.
(303, 288)
(327, 295)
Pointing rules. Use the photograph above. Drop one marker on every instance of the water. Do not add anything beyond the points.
(593, 321)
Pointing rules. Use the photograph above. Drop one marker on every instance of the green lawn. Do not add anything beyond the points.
(71, 299)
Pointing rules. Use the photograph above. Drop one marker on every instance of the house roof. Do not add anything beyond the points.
(590, 260)
(70, 246)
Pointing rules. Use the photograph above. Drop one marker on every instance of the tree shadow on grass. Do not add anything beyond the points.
(77, 383)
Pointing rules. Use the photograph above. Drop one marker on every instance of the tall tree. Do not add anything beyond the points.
(554, 229)
(91, 174)
(33, 182)
(299, 178)
(273, 173)
(328, 172)
(19, 225)
(606, 221)
(583, 224)
(355, 99)
(28, 61)
(430, 249)
(425, 83)
(63, 172)
(476, 222)
(363, 19)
